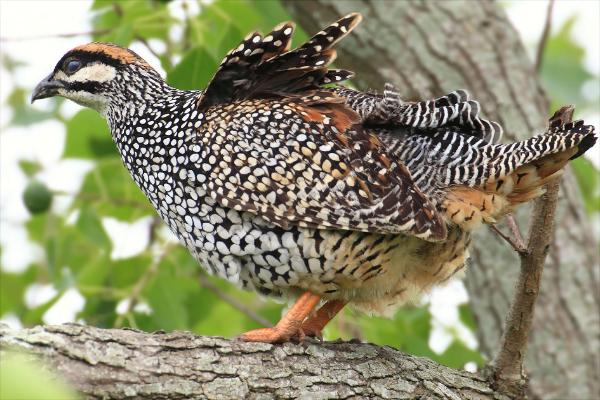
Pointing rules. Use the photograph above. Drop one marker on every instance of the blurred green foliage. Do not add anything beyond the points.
(564, 76)
(178, 294)
(563, 57)
(24, 379)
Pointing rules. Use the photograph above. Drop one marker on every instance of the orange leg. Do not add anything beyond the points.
(315, 323)
(289, 326)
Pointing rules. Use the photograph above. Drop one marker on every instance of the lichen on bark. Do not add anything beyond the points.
(126, 364)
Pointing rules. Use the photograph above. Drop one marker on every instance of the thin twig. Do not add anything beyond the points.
(516, 231)
(544, 38)
(506, 369)
(147, 45)
(90, 197)
(57, 35)
(518, 247)
(205, 283)
(187, 28)
(136, 291)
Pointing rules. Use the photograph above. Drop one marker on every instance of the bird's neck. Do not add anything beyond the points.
(151, 130)
(133, 94)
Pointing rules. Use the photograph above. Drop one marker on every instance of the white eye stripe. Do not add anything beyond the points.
(92, 72)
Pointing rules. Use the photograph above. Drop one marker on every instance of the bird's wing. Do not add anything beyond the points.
(266, 67)
(305, 161)
(276, 144)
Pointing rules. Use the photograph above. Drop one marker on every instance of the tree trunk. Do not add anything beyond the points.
(125, 364)
(429, 48)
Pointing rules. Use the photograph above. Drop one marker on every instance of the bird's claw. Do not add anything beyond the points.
(312, 332)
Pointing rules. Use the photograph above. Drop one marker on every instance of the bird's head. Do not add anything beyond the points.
(95, 74)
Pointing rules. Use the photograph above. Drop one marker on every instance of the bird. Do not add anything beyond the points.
(280, 179)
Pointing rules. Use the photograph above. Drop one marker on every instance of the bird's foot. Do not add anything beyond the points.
(313, 326)
(273, 335)
(290, 326)
(312, 330)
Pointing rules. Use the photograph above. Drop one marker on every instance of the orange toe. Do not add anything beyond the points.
(290, 326)
(266, 335)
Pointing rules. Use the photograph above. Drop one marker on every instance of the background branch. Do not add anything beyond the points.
(232, 301)
(57, 35)
(539, 56)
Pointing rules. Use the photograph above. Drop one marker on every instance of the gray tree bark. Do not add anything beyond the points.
(127, 364)
(429, 48)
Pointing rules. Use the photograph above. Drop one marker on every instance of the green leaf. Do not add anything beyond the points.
(124, 21)
(36, 227)
(408, 330)
(167, 296)
(155, 25)
(30, 168)
(34, 315)
(12, 291)
(105, 19)
(88, 136)
(125, 273)
(230, 39)
(100, 310)
(24, 113)
(123, 34)
(240, 13)
(215, 324)
(95, 272)
(457, 355)
(9, 63)
(563, 72)
(194, 71)
(89, 224)
(23, 378)
(466, 317)
(272, 13)
(101, 4)
(111, 191)
(588, 178)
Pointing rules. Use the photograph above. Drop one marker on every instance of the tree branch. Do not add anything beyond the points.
(124, 363)
(539, 56)
(507, 367)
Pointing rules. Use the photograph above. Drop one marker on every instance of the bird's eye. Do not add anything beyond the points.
(72, 65)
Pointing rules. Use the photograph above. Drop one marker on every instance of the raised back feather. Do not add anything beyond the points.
(454, 109)
(265, 66)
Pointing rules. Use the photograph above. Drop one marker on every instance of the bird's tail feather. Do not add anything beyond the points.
(515, 173)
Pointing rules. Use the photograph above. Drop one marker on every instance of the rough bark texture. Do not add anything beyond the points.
(506, 369)
(125, 364)
(430, 48)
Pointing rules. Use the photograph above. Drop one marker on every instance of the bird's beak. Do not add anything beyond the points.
(46, 88)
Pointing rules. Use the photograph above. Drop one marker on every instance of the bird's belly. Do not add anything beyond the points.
(414, 268)
(374, 273)
(379, 273)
